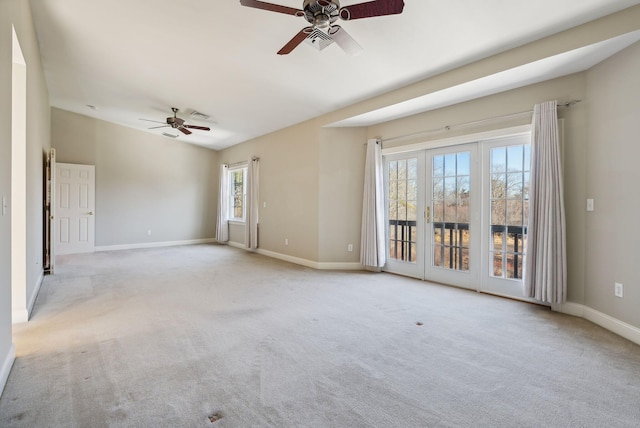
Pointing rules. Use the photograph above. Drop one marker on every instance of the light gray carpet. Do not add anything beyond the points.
(173, 336)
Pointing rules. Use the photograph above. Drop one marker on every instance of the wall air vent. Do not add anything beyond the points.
(166, 134)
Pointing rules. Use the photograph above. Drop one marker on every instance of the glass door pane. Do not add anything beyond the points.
(453, 243)
(404, 184)
(507, 166)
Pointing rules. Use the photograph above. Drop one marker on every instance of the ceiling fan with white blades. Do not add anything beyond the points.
(322, 15)
(176, 123)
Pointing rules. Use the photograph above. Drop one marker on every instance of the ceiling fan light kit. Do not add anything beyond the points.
(322, 15)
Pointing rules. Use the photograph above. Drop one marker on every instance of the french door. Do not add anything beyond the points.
(433, 214)
(458, 214)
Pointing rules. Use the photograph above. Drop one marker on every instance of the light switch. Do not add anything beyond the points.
(589, 204)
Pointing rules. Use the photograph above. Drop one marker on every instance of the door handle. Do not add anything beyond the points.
(427, 215)
(90, 213)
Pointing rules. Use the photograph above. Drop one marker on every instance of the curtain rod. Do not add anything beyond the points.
(231, 165)
(475, 122)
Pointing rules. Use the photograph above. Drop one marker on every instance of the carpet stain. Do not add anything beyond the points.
(419, 323)
(17, 417)
(215, 417)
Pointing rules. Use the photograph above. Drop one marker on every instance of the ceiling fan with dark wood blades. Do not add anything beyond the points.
(322, 15)
(176, 123)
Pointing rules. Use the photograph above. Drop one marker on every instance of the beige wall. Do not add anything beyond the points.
(143, 181)
(612, 237)
(342, 155)
(18, 13)
(289, 186)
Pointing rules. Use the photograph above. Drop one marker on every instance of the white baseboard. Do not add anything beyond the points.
(36, 290)
(608, 322)
(300, 261)
(6, 367)
(154, 244)
(21, 315)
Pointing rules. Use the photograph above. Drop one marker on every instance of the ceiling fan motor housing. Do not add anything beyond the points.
(321, 13)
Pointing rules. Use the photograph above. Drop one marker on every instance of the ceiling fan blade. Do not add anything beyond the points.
(345, 41)
(202, 128)
(156, 127)
(293, 43)
(272, 7)
(184, 130)
(149, 120)
(371, 9)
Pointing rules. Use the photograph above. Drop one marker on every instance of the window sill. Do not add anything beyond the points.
(237, 222)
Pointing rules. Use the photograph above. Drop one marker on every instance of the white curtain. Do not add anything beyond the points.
(372, 245)
(222, 226)
(252, 202)
(545, 275)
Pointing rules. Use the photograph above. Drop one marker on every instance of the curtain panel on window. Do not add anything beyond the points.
(372, 245)
(252, 203)
(222, 225)
(545, 275)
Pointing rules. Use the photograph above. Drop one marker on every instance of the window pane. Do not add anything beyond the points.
(514, 213)
(402, 170)
(464, 163)
(497, 265)
(411, 211)
(437, 256)
(437, 234)
(498, 241)
(412, 169)
(498, 160)
(450, 165)
(498, 212)
(393, 170)
(393, 190)
(438, 166)
(438, 211)
(514, 185)
(498, 186)
(515, 157)
(438, 188)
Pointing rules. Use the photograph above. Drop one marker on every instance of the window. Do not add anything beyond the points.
(237, 193)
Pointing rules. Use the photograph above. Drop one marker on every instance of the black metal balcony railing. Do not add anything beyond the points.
(453, 246)
(402, 245)
(515, 234)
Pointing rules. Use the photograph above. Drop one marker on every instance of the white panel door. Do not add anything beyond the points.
(74, 208)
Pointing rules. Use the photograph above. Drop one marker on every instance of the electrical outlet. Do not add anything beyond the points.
(350, 247)
(618, 290)
(286, 241)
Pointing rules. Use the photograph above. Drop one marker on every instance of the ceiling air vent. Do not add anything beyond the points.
(199, 116)
(166, 134)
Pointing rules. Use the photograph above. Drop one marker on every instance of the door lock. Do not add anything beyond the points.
(427, 215)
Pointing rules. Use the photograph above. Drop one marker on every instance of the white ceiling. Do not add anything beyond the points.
(137, 59)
